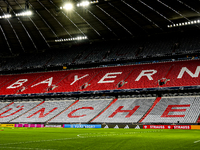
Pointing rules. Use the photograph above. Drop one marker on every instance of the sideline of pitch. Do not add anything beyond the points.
(78, 136)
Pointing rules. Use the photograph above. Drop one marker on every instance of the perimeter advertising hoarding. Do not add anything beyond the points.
(122, 126)
(157, 127)
(82, 126)
(195, 127)
(34, 125)
(182, 127)
(167, 127)
(7, 125)
(30, 125)
(53, 126)
(19, 125)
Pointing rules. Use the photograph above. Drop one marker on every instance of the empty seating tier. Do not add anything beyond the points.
(44, 112)
(157, 75)
(16, 109)
(157, 45)
(175, 109)
(82, 111)
(122, 110)
(125, 110)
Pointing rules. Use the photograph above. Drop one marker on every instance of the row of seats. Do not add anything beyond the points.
(118, 113)
(153, 46)
(82, 112)
(122, 110)
(172, 74)
(15, 109)
(172, 110)
(44, 112)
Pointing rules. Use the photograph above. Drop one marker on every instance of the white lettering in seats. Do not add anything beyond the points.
(147, 73)
(185, 69)
(76, 78)
(17, 84)
(47, 81)
(109, 76)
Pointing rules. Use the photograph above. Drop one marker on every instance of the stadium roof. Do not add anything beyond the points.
(51, 26)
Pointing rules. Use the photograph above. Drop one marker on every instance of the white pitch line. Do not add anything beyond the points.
(25, 148)
(38, 141)
(197, 141)
(79, 136)
(93, 134)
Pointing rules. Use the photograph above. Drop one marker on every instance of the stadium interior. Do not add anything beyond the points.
(100, 62)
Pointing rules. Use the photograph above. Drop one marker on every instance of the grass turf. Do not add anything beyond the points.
(97, 139)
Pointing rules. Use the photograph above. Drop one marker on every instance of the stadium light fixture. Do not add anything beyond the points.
(86, 3)
(83, 4)
(93, 2)
(6, 16)
(72, 39)
(184, 23)
(25, 13)
(67, 6)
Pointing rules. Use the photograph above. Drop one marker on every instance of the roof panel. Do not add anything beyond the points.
(111, 19)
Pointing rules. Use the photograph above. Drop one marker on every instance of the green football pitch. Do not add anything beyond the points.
(97, 139)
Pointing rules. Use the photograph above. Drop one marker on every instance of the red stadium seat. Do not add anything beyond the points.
(176, 74)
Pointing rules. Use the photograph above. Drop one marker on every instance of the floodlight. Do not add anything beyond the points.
(25, 13)
(72, 39)
(6, 16)
(68, 6)
(184, 23)
(83, 4)
(92, 2)
(86, 3)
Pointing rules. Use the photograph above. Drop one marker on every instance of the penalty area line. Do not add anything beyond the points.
(79, 136)
(197, 141)
(25, 148)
